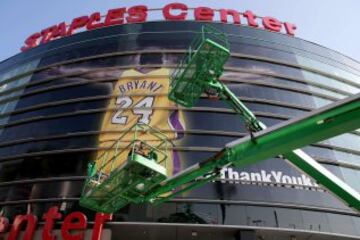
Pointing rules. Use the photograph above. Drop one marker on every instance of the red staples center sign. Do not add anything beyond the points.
(170, 12)
(72, 227)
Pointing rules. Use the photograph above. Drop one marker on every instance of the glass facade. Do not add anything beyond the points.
(56, 99)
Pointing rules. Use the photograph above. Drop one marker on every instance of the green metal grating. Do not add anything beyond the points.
(196, 75)
(116, 181)
(142, 179)
(128, 183)
(201, 67)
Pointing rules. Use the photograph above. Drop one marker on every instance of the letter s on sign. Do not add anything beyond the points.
(31, 41)
(137, 14)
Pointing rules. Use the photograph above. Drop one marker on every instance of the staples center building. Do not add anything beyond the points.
(76, 87)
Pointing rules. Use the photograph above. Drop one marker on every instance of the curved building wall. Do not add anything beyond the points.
(63, 102)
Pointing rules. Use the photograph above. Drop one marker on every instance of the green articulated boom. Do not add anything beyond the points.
(197, 74)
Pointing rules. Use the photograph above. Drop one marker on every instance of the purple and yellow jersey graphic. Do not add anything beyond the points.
(141, 98)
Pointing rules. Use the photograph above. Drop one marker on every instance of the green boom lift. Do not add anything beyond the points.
(129, 168)
(199, 73)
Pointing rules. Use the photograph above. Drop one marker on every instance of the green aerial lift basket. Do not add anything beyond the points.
(126, 175)
(114, 182)
(200, 67)
(199, 72)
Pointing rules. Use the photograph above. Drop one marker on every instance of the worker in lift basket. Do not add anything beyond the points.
(143, 150)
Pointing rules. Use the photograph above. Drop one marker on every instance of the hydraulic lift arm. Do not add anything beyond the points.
(319, 126)
(142, 178)
(322, 124)
(282, 141)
